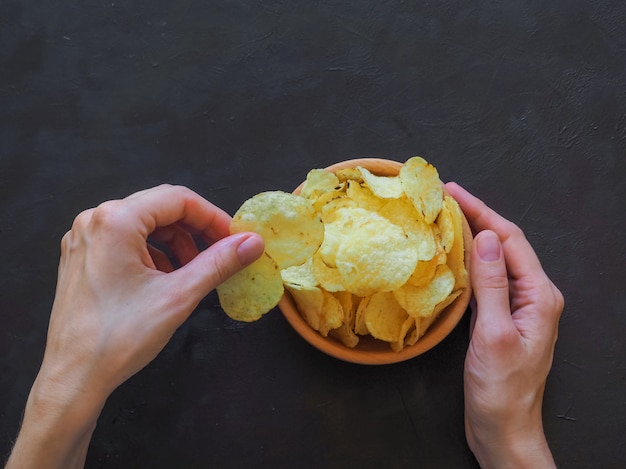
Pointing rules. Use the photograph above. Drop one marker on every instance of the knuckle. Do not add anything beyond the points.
(165, 186)
(79, 226)
(494, 281)
(66, 242)
(559, 299)
(514, 231)
(110, 215)
(174, 188)
(82, 220)
(499, 337)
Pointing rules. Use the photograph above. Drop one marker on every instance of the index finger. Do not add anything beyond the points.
(165, 205)
(521, 259)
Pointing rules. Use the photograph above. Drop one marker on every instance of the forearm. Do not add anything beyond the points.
(55, 433)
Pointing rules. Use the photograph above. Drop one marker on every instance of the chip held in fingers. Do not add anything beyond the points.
(252, 292)
(290, 226)
(370, 251)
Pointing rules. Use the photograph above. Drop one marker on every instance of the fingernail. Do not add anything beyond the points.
(488, 246)
(248, 250)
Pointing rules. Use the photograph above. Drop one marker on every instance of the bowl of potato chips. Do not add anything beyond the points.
(367, 260)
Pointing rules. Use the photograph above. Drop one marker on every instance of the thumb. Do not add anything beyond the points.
(216, 264)
(490, 281)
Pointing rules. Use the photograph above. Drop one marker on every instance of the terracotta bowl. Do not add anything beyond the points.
(370, 351)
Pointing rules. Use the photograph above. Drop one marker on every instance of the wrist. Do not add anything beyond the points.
(529, 451)
(57, 426)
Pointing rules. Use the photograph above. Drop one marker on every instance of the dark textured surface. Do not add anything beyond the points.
(524, 103)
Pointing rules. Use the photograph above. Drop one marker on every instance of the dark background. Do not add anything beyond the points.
(522, 102)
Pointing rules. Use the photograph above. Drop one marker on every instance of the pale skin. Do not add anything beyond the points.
(119, 300)
(513, 333)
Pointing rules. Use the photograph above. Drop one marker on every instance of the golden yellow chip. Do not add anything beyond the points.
(421, 301)
(447, 302)
(318, 182)
(310, 302)
(423, 273)
(349, 174)
(414, 334)
(320, 309)
(384, 317)
(288, 223)
(401, 212)
(445, 223)
(349, 303)
(383, 187)
(359, 320)
(408, 326)
(345, 335)
(329, 210)
(327, 197)
(421, 183)
(252, 292)
(300, 275)
(333, 236)
(332, 314)
(327, 277)
(363, 197)
(425, 322)
(373, 254)
(345, 332)
(456, 256)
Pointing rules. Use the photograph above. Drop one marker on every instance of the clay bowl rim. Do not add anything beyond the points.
(370, 351)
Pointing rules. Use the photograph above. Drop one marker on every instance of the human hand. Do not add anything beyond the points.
(118, 302)
(513, 333)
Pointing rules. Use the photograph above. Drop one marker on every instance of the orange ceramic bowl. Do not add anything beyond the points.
(370, 351)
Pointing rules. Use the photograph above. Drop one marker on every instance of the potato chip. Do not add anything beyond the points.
(427, 321)
(445, 223)
(383, 187)
(423, 273)
(421, 183)
(447, 302)
(456, 256)
(327, 197)
(384, 317)
(345, 332)
(333, 237)
(329, 210)
(421, 301)
(349, 174)
(289, 225)
(359, 320)
(349, 303)
(332, 314)
(310, 302)
(320, 309)
(300, 275)
(413, 334)
(373, 254)
(401, 212)
(363, 197)
(252, 292)
(318, 181)
(400, 342)
(327, 277)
